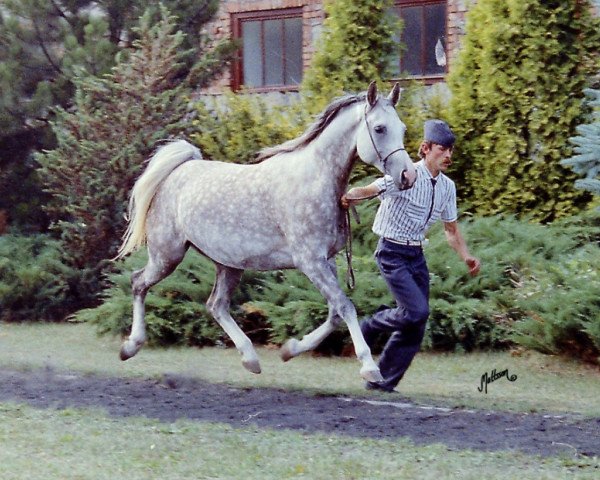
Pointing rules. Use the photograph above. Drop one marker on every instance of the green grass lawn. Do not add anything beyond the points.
(544, 383)
(86, 444)
(78, 445)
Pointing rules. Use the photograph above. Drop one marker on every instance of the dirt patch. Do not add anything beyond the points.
(176, 398)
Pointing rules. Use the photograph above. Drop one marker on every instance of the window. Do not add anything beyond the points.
(271, 54)
(423, 38)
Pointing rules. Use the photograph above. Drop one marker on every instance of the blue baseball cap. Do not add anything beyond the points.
(438, 131)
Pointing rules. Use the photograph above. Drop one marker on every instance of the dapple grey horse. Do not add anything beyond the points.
(279, 213)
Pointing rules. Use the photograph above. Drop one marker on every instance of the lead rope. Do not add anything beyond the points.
(350, 280)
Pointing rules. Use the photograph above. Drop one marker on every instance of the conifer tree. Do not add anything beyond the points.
(39, 52)
(586, 160)
(44, 45)
(517, 87)
(115, 125)
(355, 48)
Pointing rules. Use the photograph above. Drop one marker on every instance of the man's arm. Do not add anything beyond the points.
(457, 242)
(357, 194)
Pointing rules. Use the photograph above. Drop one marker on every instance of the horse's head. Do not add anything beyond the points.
(380, 140)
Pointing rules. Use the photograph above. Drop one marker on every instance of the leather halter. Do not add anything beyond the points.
(382, 159)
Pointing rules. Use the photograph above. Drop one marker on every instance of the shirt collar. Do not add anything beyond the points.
(423, 169)
(421, 166)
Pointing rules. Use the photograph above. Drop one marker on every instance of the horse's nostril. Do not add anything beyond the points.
(410, 179)
(405, 178)
(405, 181)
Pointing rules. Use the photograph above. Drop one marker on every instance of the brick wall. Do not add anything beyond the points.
(313, 16)
(456, 26)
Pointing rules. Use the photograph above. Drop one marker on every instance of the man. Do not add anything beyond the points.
(402, 220)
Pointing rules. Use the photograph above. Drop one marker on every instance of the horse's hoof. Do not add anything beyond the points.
(251, 365)
(371, 375)
(124, 354)
(288, 351)
(127, 352)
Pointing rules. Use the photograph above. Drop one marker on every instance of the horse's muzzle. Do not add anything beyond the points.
(407, 180)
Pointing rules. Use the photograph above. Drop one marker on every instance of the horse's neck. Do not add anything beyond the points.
(335, 149)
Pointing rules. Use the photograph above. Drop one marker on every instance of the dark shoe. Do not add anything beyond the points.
(378, 387)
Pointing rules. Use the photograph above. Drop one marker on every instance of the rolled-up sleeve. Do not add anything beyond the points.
(450, 211)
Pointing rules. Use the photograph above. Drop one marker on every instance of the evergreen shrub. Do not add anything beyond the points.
(234, 127)
(560, 304)
(33, 280)
(526, 268)
(517, 88)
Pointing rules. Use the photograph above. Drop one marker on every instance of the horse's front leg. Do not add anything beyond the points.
(323, 277)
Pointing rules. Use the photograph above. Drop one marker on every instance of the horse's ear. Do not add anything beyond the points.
(394, 95)
(372, 93)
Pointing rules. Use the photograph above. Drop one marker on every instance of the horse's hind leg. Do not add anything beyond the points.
(312, 340)
(218, 305)
(323, 277)
(158, 267)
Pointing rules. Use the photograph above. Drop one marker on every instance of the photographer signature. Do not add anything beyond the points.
(487, 379)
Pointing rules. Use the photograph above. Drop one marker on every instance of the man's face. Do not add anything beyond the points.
(438, 156)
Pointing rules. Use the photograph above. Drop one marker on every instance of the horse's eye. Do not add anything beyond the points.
(380, 129)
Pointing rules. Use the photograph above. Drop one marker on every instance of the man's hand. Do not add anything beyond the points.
(457, 242)
(357, 194)
(474, 265)
(344, 202)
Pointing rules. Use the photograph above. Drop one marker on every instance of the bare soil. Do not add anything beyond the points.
(388, 417)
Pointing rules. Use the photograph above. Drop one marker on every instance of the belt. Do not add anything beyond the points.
(407, 243)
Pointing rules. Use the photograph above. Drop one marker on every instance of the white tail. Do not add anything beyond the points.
(163, 162)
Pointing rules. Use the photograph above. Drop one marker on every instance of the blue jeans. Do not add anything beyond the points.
(405, 271)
